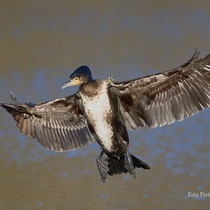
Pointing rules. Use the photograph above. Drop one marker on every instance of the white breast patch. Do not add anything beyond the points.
(97, 109)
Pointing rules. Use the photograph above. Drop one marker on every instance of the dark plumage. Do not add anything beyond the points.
(83, 72)
(103, 109)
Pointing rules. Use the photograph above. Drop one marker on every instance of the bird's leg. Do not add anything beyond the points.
(129, 163)
(102, 166)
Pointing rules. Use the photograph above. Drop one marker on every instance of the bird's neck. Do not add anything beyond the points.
(90, 88)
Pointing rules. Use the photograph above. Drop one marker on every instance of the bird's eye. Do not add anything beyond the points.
(76, 78)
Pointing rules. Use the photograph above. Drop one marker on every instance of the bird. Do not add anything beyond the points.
(103, 109)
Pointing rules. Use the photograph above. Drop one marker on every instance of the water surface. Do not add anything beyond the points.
(42, 43)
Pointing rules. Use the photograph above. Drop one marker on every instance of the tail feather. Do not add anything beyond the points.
(117, 166)
(139, 163)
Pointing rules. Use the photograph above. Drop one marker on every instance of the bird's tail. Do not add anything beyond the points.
(118, 166)
(111, 166)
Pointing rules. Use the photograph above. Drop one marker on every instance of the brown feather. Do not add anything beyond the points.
(162, 98)
(58, 125)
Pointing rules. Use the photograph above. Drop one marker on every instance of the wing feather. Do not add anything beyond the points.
(59, 125)
(163, 98)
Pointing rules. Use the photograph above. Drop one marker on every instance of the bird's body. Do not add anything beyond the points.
(101, 114)
(102, 110)
(97, 110)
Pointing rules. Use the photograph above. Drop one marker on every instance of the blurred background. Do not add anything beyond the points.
(42, 42)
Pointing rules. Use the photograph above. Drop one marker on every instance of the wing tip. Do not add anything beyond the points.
(193, 58)
(196, 54)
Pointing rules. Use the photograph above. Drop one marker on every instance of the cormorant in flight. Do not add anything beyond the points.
(103, 109)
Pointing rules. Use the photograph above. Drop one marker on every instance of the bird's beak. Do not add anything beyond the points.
(70, 83)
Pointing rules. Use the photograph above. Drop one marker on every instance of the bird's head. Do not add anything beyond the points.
(79, 76)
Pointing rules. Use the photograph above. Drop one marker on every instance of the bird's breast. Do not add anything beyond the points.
(99, 113)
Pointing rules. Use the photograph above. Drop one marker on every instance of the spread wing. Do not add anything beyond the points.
(59, 125)
(163, 98)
